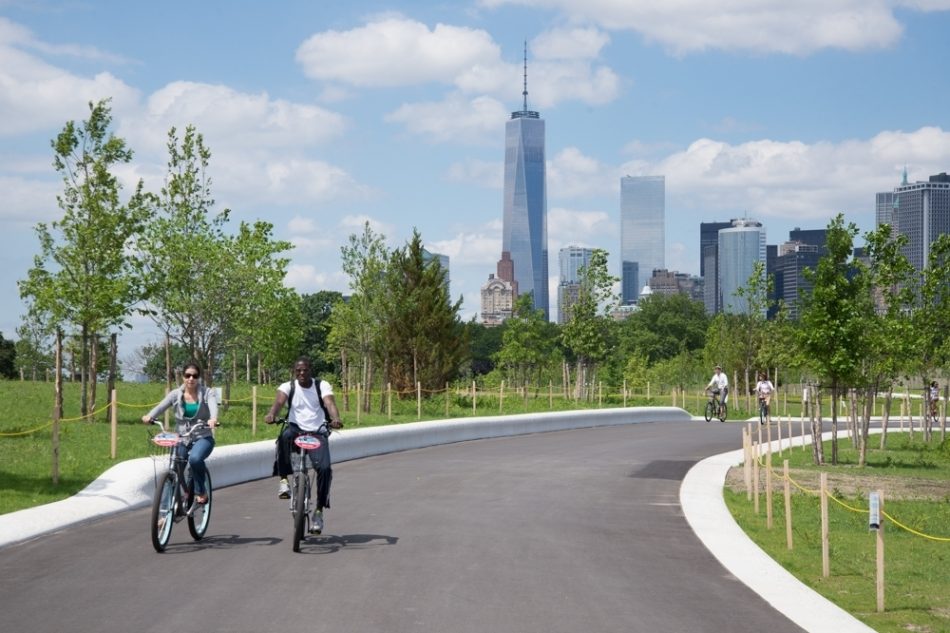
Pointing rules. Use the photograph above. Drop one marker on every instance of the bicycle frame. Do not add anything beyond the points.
(302, 485)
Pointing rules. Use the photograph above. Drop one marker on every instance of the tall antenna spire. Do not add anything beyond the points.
(525, 91)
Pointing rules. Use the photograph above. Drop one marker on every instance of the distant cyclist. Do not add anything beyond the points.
(719, 384)
(933, 396)
(763, 391)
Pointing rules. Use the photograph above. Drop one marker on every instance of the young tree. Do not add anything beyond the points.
(424, 336)
(832, 324)
(525, 348)
(83, 279)
(586, 333)
(317, 309)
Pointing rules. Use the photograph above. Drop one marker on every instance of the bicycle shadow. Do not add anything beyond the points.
(332, 543)
(220, 542)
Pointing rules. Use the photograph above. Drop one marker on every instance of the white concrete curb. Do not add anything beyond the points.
(130, 484)
(702, 502)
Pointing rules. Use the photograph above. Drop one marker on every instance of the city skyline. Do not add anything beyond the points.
(394, 114)
(642, 231)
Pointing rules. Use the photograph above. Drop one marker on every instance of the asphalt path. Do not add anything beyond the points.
(570, 531)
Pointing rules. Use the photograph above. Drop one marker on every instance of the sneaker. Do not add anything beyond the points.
(316, 522)
(283, 490)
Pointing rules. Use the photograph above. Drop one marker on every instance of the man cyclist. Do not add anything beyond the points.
(719, 383)
(312, 410)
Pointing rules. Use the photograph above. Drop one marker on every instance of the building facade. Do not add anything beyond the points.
(571, 259)
(740, 247)
(525, 222)
(922, 213)
(642, 230)
(498, 300)
(708, 262)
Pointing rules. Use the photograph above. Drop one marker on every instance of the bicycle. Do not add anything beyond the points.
(174, 497)
(763, 411)
(715, 408)
(303, 481)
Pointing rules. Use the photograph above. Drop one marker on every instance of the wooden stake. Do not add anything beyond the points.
(114, 425)
(788, 504)
(755, 478)
(880, 557)
(768, 487)
(253, 409)
(825, 560)
(418, 400)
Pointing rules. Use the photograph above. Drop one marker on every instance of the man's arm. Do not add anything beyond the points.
(279, 401)
(335, 422)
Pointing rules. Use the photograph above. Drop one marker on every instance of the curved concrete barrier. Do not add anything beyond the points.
(130, 484)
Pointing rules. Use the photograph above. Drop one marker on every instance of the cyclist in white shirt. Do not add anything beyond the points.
(764, 390)
(719, 383)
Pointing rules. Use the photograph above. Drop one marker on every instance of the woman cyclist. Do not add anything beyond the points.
(192, 401)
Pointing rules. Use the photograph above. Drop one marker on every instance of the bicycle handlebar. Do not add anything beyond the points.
(197, 426)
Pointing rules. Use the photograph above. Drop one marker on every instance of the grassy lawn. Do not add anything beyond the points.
(26, 433)
(915, 479)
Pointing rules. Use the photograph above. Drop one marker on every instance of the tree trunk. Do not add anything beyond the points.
(93, 374)
(83, 368)
(818, 449)
(113, 364)
(834, 424)
(888, 399)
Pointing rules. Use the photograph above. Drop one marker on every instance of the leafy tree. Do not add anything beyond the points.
(7, 358)
(356, 326)
(151, 359)
(526, 348)
(317, 309)
(485, 343)
(889, 333)
(33, 354)
(930, 320)
(424, 335)
(586, 333)
(206, 289)
(83, 277)
(664, 326)
(832, 324)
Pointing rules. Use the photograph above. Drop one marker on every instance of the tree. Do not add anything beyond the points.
(356, 327)
(317, 309)
(83, 277)
(831, 337)
(485, 344)
(586, 333)
(664, 326)
(7, 358)
(525, 348)
(425, 339)
(206, 289)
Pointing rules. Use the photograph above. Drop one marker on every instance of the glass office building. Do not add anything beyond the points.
(922, 213)
(570, 259)
(642, 230)
(525, 225)
(740, 247)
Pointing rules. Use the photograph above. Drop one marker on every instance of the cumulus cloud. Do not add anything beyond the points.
(477, 120)
(36, 95)
(307, 279)
(791, 179)
(573, 227)
(395, 51)
(771, 26)
(489, 175)
(480, 247)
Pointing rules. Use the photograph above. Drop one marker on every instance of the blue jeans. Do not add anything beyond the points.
(197, 455)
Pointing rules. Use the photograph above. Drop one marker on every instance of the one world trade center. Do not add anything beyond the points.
(525, 226)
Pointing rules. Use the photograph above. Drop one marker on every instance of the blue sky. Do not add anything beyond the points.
(321, 116)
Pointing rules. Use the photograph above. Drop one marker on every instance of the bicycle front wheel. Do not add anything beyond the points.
(199, 519)
(300, 508)
(710, 411)
(722, 412)
(163, 511)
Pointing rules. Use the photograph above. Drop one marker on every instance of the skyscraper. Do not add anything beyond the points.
(708, 262)
(570, 259)
(642, 229)
(740, 248)
(525, 225)
(922, 212)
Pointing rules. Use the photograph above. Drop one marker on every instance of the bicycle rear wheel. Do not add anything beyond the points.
(710, 411)
(300, 508)
(163, 511)
(199, 519)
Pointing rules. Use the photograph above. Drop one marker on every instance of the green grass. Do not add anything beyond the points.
(26, 433)
(917, 574)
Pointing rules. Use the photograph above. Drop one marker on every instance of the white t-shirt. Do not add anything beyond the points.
(764, 388)
(305, 410)
(719, 381)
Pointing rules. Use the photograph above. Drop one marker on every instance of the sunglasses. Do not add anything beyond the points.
(191, 375)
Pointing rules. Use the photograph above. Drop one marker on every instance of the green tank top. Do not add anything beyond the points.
(191, 409)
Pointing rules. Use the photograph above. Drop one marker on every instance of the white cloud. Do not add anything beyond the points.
(773, 26)
(489, 175)
(354, 224)
(571, 174)
(28, 200)
(571, 227)
(230, 119)
(35, 95)
(396, 51)
(455, 119)
(577, 43)
(795, 180)
(307, 279)
(482, 247)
